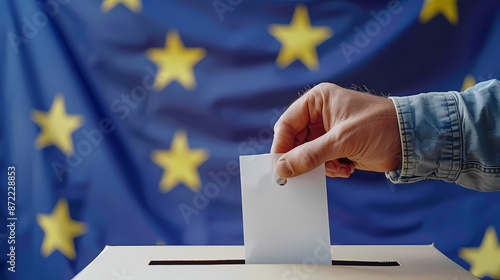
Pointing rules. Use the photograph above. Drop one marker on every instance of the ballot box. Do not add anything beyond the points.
(227, 262)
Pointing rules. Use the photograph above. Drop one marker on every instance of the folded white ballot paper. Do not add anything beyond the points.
(283, 224)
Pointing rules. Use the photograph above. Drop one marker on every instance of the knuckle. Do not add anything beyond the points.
(276, 125)
(327, 88)
(287, 127)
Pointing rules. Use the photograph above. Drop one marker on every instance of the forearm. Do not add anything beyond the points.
(451, 136)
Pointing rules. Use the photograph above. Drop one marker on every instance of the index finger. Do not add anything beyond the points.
(305, 110)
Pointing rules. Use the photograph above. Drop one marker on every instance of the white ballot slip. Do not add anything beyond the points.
(283, 223)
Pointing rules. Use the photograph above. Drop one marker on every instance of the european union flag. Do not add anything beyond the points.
(121, 121)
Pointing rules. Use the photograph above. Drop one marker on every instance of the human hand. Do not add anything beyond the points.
(342, 128)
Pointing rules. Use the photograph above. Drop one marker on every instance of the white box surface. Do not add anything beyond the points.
(132, 262)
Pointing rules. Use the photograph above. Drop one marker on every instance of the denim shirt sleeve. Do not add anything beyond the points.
(451, 136)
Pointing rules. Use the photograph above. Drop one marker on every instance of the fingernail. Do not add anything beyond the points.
(283, 168)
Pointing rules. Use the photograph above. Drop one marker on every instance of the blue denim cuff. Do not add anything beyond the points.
(430, 137)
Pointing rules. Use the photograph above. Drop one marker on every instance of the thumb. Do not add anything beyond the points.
(305, 157)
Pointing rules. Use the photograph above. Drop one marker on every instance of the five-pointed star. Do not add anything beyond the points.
(469, 81)
(432, 8)
(485, 260)
(180, 164)
(299, 39)
(60, 230)
(56, 126)
(133, 5)
(175, 62)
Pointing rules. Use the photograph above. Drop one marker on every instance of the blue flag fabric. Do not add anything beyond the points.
(121, 121)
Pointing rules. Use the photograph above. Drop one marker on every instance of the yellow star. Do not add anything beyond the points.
(299, 39)
(485, 260)
(60, 230)
(175, 62)
(180, 164)
(56, 126)
(133, 5)
(469, 81)
(431, 8)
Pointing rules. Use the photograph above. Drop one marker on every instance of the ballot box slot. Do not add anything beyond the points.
(242, 261)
